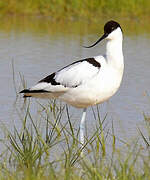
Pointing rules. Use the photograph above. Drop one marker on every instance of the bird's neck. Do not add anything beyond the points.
(114, 54)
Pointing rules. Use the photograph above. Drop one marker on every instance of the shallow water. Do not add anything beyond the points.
(37, 51)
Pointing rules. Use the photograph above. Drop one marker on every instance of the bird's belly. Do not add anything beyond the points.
(85, 98)
(100, 89)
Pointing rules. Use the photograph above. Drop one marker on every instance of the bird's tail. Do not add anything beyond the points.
(33, 93)
(40, 94)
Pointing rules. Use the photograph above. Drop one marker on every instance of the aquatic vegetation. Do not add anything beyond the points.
(48, 148)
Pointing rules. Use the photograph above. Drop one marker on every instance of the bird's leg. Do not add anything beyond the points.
(82, 123)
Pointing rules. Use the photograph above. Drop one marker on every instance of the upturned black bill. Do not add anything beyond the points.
(103, 37)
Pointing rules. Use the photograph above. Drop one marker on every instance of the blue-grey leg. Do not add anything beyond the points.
(82, 126)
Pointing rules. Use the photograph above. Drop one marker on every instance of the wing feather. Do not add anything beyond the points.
(70, 76)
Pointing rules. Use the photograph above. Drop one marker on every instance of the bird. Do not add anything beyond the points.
(88, 81)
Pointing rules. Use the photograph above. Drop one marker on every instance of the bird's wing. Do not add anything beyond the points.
(70, 76)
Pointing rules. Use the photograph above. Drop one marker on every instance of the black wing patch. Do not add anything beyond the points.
(50, 79)
(93, 62)
(33, 91)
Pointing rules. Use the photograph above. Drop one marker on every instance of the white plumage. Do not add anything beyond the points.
(89, 81)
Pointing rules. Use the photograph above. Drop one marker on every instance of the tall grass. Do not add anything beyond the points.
(48, 148)
(91, 9)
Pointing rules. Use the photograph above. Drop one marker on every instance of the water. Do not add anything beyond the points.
(37, 51)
